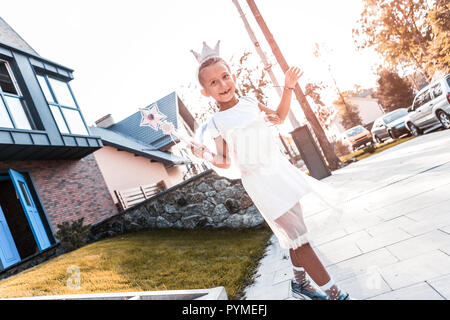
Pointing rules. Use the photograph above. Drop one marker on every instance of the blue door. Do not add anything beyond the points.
(8, 251)
(31, 212)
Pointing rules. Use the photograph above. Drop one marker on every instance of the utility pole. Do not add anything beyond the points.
(268, 68)
(332, 159)
(267, 65)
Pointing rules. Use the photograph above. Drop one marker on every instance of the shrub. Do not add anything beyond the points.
(72, 235)
(369, 149)
(342, 148)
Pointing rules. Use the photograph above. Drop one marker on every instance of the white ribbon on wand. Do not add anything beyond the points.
(169, 129)
(191, 143)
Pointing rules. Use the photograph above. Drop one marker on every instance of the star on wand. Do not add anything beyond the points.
(152, 117)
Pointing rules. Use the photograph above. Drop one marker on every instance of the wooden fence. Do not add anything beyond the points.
(130, 197)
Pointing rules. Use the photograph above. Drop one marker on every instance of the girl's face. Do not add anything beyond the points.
(218, 83)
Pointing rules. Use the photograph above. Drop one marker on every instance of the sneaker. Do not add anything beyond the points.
(341, 296)
(306, 291)
(344, 296)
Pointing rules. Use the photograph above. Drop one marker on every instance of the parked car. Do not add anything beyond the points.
(356, 137)
(390, 125)
(431, 107)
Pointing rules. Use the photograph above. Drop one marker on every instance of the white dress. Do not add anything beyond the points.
(283, 194)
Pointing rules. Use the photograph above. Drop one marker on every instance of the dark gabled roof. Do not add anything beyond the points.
(169, 105)
(11, 41)
(9, 36)
(127, 143)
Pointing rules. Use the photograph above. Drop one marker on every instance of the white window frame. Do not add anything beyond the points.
(17, 96)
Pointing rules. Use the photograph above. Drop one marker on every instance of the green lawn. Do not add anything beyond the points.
(150, 260)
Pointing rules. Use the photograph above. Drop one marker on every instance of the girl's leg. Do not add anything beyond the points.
(303, 258)
(293, 225)
(306, 257)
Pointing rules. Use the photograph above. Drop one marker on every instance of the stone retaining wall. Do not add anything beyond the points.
(204, 201)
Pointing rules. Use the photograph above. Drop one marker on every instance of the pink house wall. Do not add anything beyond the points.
(123, 170)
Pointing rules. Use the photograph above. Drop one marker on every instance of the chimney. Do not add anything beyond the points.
(105, 122)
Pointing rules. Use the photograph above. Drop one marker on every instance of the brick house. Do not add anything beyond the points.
(48, 173)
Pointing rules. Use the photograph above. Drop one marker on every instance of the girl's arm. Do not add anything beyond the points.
(291, 78)
(219, 160)
(285, 104)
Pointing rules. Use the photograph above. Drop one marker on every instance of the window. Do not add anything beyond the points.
(421, 99)
(23, 188)
(354, 131)
(395, 115)
(62, 105)
(437, 90)
(426, 97)
(13, 109)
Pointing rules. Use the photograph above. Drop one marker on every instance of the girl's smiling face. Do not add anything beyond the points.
(218, 82)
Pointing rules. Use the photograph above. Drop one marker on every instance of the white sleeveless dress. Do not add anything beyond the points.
(275, 186)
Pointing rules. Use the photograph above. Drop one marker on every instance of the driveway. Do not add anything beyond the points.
(394, 242)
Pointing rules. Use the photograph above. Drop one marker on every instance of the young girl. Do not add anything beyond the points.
(243, 140)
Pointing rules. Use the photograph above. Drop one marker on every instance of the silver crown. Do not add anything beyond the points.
(207, 52)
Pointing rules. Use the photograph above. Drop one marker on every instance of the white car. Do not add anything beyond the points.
(357, 137)
(431, 107)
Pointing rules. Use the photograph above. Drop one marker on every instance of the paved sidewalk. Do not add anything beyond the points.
(398, 245)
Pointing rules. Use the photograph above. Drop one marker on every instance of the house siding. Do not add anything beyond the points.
(68, 190)
(123, 170)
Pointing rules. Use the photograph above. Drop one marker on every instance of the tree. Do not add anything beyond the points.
(438, 59)
(399, 31)
(347, 112)
(393, 92)
(323, 113)
(251, 79)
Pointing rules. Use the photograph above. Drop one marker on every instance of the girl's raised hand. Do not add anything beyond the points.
(292, 76)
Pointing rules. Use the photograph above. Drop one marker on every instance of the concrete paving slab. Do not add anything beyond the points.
(429, 211)
(341, 249)
(445, 229)
(279, 291)
(420, 291)
(382, 240)
(413, 204)
(365, 286)
(283, 274)
(335, 235)
(363, 264)
(390, 225)
(362, 222)
(441, 285)
(417, 269)
(336, 255)
(426, 226)
(419, 245)
(446, 250)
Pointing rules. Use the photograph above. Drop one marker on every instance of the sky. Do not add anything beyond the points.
(128, 54)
